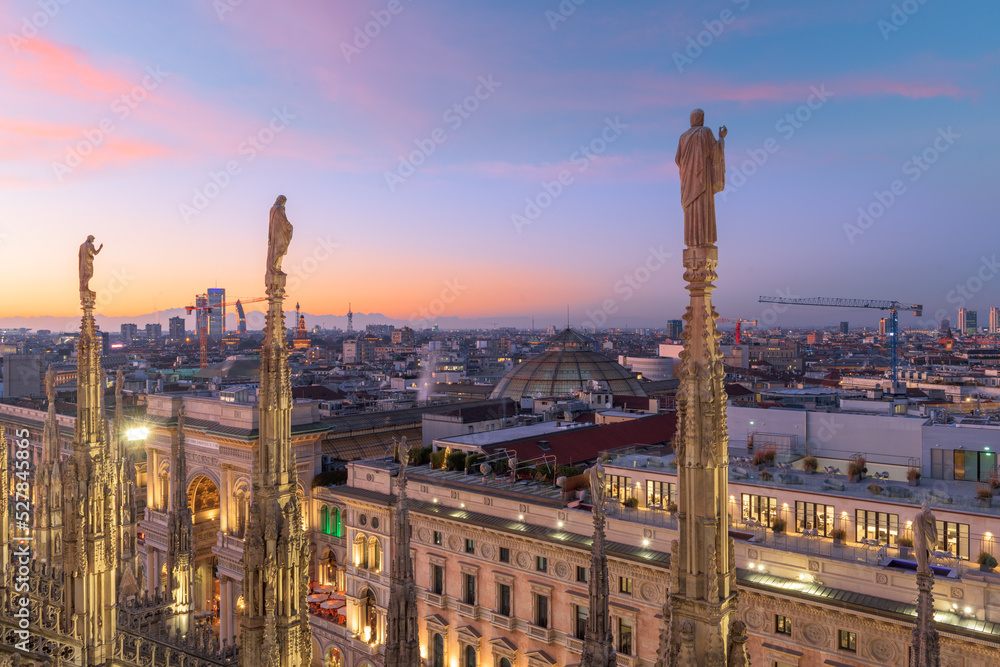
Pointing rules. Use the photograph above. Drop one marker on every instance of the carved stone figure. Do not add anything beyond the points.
(404, 456)
(925, 537)
(701, 160)
(87, 254)
(279, 235)
(50, 384)
(597, 491)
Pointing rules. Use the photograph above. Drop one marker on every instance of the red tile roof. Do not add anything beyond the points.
(585, 443)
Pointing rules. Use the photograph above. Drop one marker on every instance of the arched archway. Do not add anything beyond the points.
(333, 657)
(369, 616)
(375, 554)
(361, 551)
(205, 503)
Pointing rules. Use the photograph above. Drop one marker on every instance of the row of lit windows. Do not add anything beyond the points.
(330, 522)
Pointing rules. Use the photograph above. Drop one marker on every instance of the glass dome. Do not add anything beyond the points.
(568, 364)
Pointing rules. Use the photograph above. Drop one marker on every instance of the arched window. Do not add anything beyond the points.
(371, 616)
(361, 551)
(324, 519)
(375, 554)
(469, 657)
(333, 658)
(336, 522)
(504, 662)
(439, 650)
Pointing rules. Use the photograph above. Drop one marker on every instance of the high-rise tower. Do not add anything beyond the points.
(350, 320)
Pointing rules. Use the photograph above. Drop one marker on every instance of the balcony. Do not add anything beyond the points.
(439, 601)
(574, 645)
(502, 622)
(543, 634)
(625, 660)
(467, 610)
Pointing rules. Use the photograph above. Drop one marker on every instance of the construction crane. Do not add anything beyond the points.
(891, 306)
(738, 323)
(203, 322)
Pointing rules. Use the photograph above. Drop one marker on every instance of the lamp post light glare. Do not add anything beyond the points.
(136, 433)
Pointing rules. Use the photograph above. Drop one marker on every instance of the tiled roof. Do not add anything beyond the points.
(583, 444)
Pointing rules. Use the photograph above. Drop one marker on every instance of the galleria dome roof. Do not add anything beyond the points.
(569, 364)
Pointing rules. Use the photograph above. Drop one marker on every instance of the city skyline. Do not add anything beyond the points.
(598, 95)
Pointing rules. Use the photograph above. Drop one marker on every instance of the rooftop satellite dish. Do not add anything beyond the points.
(607, 404)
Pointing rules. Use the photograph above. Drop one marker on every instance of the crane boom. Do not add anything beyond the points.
(203, 328)
(891, 306)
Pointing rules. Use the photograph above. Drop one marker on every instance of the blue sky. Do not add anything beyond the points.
(179, 193)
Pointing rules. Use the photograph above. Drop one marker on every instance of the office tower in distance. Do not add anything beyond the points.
(994, 320)
(201, 314)
(967, 325)
(153, 333)
(674, 329)
(844, 327)
(129, 333)
(177, 333)
(217, 316)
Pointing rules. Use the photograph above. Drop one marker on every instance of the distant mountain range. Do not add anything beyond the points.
(255, 321)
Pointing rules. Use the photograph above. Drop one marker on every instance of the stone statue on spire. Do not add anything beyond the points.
(87, 254)
(702, 163)
(279, 235)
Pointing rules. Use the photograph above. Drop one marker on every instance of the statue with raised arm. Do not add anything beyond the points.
(702, 163)
(925, 538)
(597, 488)
(279, 235)
(87, 254)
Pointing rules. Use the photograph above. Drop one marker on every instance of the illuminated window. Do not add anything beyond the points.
(660, 494)
(879, 526)
(848, 641)
(437, 538)
(954, 538)
(760, 508)
(541, 563)
(624, 585)
(810, 516)
(324, 519)
(782, 625)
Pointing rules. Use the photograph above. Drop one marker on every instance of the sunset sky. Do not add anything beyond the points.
(409, 155)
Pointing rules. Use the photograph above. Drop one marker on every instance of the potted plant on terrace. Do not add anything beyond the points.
(984, 494)
(913, 476)
(838, 535)
(778, 525)
(856, 469)
(906, 547)
(987, 562)
(810, 464)
(631, 503)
